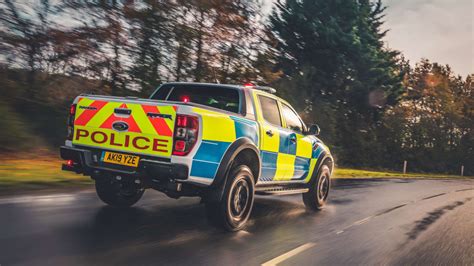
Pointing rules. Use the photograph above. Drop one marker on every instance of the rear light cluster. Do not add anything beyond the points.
(70, 122)
(185, 134)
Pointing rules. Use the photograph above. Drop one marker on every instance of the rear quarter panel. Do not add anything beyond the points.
(218, 130)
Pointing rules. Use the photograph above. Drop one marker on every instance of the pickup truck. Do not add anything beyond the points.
(223, 143)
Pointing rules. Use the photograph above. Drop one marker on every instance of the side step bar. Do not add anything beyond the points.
(280, 191)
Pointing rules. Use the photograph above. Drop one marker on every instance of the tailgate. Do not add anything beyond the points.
(125, 125)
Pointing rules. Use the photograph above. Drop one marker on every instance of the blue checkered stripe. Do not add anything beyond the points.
(301, 164)
(210, 153)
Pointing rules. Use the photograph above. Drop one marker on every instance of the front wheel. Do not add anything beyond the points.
(118, 194)
(316, 197)
(234, 209)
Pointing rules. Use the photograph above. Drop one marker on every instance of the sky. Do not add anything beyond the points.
(440, 30)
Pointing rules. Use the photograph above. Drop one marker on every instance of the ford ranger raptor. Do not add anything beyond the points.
(223, 143)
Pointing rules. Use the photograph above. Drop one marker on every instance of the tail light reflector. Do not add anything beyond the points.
(70, 121)
(185, 134)
(72, 109)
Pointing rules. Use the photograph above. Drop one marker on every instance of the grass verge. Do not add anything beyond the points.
(21, 174)
(355, 173)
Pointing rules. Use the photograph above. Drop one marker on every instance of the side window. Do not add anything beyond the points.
(161, 93)
(293, 122)
(270, 110)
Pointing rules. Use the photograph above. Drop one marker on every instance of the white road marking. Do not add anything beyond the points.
(362, 221)
(393, 208)
(289, 254)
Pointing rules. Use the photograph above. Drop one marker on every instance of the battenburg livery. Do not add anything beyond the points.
(223, 143)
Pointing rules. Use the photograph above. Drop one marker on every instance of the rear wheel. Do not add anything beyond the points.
(118, 194)
(316, 197)
(233, 211)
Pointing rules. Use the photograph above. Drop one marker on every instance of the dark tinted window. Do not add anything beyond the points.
(270, 110)
(161, 93)
(214, 96)
(292, 120)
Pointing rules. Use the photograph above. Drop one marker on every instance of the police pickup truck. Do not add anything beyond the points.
(223, 143)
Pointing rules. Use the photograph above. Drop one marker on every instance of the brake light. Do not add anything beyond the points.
(70, 121)
(180, 145)
(185, 134)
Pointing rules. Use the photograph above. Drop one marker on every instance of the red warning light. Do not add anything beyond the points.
(185, 99)
(249, 84)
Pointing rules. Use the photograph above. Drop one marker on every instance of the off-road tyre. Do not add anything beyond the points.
(118, 194)
(233, 210)
(319, 187)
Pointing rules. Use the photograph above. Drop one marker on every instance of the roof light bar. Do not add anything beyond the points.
(266, 89)
(262, 88)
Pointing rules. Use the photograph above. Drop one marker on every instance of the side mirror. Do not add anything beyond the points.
(314, 130)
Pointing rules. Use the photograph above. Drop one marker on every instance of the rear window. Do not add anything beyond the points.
(218, 97)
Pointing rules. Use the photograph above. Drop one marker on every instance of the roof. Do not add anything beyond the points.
(206, 84)
(232, 86)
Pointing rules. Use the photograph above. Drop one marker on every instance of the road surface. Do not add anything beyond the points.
(367, 221)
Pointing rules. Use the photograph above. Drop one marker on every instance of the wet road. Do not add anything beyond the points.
(366, 222)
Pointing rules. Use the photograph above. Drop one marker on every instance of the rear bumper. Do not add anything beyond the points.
(87, 163)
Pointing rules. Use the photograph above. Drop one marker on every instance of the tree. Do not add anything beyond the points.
(151, 27)
(224, 32)
(25, 38)
(432, 126)
(333, 59)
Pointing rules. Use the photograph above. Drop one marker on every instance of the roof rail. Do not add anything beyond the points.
(266, 89)
(262, 88)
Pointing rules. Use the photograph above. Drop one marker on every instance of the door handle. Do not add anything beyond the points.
(293, 138)
(269, 133)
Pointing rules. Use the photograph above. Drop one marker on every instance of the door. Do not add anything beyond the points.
(273, 145)
(300, 146)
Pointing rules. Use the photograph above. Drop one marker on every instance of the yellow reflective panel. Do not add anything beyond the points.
(312, 164)
(304, 147)
(270, 143)
(168, 110)
(82, 102)
(123, 141)
(285, 167)
(216, 126)
(141, 119)
(258, 108)
(103, 114)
